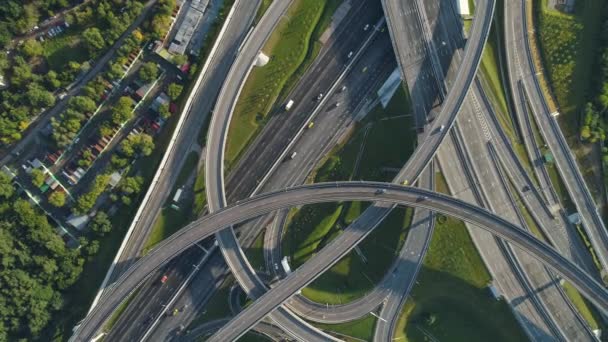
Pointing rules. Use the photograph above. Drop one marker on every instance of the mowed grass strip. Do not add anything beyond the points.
(287, 48)
(355, 331)
(568, 47)
(450, 301)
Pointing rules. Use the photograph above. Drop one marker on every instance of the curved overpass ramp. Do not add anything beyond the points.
(318, 193)
(419, 160)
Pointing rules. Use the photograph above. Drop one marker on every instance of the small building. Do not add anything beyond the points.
(115, 178)
(142, 91)
(160, 100)
(194, 14)
(78, 221)
(548, 157)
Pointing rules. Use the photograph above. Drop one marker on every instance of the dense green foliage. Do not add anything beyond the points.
(35, 266)
(88, 200)
(137, 144)
(560, 36)
(36, 70)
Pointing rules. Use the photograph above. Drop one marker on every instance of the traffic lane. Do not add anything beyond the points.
(404, 271)
(140, 314)
(551, 132)
(294, 168)
(284, 124)
(204, 99)
(455, 97)
(378, 62)
(343, 243)
(223, 110)
(496, 262)
(541, 283)
(329, 192)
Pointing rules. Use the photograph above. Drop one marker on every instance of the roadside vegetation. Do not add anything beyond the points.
(311, 227)
(450, 300)
(575, 53)
(358, 330)
(287, 48)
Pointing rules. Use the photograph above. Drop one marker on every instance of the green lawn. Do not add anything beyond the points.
(451, 287)
(568, 46)
(358, 330)
(64, 48)
(168, 222)
(200, 196)
(287, 47)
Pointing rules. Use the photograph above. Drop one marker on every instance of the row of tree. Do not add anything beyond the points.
(593, 127)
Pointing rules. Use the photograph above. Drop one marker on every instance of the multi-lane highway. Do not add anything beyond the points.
(223, 112)
(450, 107)
(216, 142)
(522, 69)
(326, 192)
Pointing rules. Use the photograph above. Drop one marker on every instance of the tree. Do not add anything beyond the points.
(52, 81)
(93, 39)
(22, 72)
(92, 248)
(38, 97)
(86, 201)
(115, 71)
(6, 187)
(179, 59)
(174, 90)
(164, 111)
(131, 185)
(57, 199)
(137, 144)
(82, 104)
(5, 35)
(101, 224)
(38, 177)
(148, 72)
(123, 110)
(32, 48)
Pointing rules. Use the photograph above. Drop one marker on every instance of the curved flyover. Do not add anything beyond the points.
(318, 193)
(214, 170)
(419, 160)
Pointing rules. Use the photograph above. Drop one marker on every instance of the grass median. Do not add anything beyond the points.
(288, 48)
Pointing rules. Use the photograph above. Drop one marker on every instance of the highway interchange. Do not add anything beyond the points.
(464, 77)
